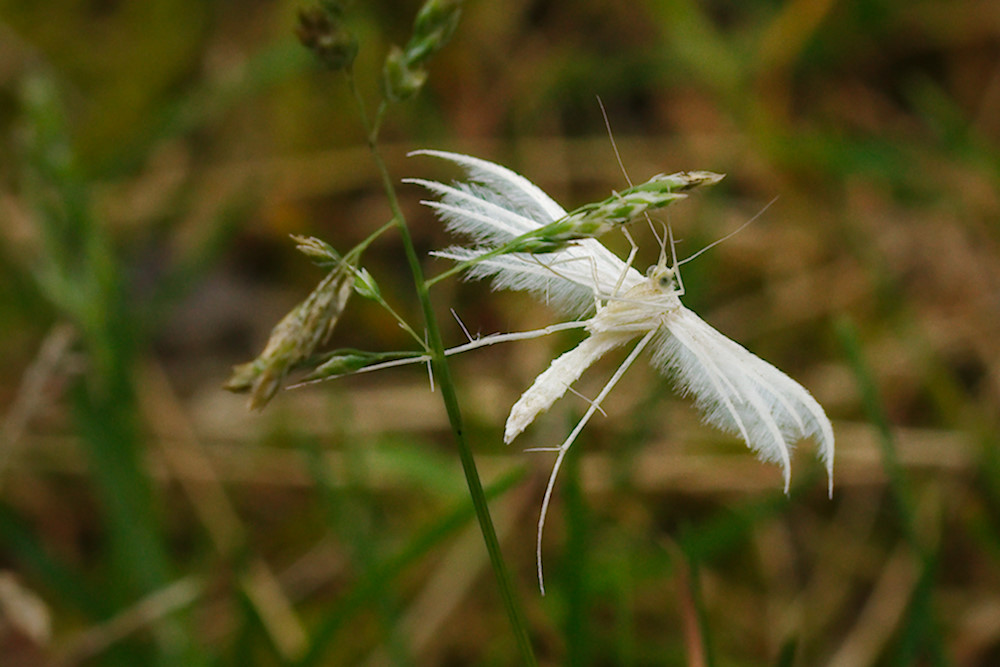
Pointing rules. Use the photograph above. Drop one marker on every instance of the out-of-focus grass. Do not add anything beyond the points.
(197, 135)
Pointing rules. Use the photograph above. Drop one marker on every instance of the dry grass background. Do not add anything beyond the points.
(334, 524)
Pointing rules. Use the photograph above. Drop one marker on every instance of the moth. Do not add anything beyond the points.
(733, 389)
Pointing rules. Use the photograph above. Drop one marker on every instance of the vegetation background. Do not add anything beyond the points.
(157, 154)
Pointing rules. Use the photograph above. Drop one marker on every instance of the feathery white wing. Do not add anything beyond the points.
(497, 205)
(557, 378)
(506, 188)
(740, 393)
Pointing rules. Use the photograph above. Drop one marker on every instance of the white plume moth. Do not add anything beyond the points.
(733, 389)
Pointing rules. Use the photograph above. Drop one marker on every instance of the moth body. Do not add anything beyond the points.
(639, 310)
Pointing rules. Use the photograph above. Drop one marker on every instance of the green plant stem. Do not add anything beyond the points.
(373, 581)
(899, 488)
(514, 245)
(922, 629)
(461, 266)
(403, 324)
(353, 256)
(442, 371)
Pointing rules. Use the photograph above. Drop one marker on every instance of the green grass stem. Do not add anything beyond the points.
(449, 395)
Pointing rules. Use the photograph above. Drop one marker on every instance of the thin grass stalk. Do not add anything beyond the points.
(579, 635)
(350, 510)
(871, 402)
(373, 581)
(699, 640)
(449, 395)
(923, 628)
(82, 276)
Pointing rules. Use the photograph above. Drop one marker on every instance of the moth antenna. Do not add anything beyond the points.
(621, 165)
(729, 235)
(614, 144)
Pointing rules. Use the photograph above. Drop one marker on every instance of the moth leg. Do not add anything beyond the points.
(461, 325)
(493, 339)
(595, 280)
(633, 249)
(587, 400)
(564, 448)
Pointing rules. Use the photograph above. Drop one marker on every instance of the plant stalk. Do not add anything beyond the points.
(442, 371)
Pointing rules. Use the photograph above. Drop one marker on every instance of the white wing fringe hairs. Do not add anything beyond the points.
(733, 389)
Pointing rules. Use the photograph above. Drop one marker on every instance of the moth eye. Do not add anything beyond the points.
(666, 279)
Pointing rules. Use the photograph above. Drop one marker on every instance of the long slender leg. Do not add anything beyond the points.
(564, 448)
(633, 249)
(595, 281)
(469, 337)
(485, 341)
(493, 339)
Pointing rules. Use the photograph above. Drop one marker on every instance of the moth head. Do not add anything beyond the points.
(663, 277)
